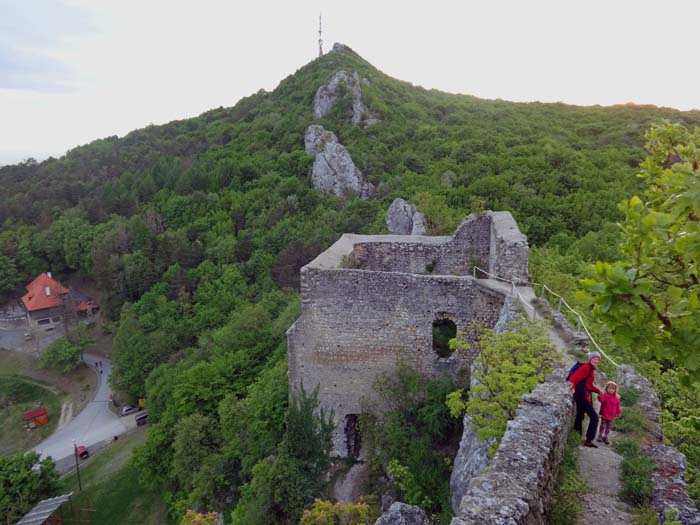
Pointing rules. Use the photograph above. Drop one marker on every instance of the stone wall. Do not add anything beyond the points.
(358, 324)
(370, 301)
(523, 473)
(479, 241)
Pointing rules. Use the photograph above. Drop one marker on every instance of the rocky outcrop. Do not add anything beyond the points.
(340, 83)
(334, 171)
(669, 494)
(404, 219)
(470, 461)
(522, 476)
(402, 514)
(648, 401)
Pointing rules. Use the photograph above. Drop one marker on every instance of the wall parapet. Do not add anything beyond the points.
(522, 476)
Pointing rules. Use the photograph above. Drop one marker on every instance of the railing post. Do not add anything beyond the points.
(474, 271)
(559, 306)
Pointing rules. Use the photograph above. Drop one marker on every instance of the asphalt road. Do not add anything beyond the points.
(94, 426)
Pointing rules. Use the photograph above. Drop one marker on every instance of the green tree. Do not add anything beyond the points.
(25, 481)
(9, 278)
(507, 365)
(61, 355)
(338, 514)
(650, 299)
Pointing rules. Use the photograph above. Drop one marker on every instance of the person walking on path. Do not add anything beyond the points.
(582, 384)
(609, 410)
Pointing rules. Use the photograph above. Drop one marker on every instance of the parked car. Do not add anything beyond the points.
(83, 452)
(129, 409)
(141, 419)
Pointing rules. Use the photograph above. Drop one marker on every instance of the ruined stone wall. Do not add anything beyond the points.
(455, 255)
(357, 324)
(508, 249)
(522, 476)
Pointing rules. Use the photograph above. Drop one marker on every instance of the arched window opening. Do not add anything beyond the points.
(443, 331)
(353, 438)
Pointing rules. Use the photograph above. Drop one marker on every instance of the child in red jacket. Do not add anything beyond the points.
(609, 410)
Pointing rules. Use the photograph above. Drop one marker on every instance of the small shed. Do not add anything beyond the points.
(44, 513)
(36, 418)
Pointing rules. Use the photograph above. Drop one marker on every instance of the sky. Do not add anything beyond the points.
(72, 71)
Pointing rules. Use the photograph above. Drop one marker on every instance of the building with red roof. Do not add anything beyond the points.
(37, 417)
(46, 301)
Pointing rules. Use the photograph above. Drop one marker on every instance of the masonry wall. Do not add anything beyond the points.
(436, 255)
(357, 324)
(523, 473)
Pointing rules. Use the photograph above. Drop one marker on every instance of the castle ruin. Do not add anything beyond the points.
(372, 300)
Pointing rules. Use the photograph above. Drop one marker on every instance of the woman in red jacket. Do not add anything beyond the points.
(582, 384)
(609, 410)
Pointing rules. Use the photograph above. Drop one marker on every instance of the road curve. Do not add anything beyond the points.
(92, 427)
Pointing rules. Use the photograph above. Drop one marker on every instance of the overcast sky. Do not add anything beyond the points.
(72, 71)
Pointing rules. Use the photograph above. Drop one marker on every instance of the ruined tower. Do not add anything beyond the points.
(370, 300)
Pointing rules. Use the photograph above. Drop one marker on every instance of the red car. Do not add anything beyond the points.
(83, 452)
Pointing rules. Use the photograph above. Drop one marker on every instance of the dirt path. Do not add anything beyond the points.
(600, 469)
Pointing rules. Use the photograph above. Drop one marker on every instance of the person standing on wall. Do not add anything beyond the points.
(582, 384)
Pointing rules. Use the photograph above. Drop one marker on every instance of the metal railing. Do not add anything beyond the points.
(516, 281)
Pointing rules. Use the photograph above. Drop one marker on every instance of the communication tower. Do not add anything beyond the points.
(320, 39)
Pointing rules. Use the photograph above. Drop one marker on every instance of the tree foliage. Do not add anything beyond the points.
(61, 355)
(23, 485)
(650, 298)
(507, 365)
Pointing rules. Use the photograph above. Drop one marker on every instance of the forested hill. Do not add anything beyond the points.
(195, 231)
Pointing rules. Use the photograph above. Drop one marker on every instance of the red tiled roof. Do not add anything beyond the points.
(86, 306)
(36, 297)
(37, 412)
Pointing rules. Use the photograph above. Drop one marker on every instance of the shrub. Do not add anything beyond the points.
(636, 473)
(61, 355)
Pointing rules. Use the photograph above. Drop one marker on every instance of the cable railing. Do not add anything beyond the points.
(516, 281)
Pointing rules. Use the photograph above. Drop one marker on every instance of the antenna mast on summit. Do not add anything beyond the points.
(320, 40)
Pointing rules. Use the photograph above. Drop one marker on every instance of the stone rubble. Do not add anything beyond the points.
(334, 171)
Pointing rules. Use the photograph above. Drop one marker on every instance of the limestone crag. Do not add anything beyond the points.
(329, 93)
(403, 218)
(334, 171)
(402, 514)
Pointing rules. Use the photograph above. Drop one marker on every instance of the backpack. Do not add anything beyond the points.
(573, 369)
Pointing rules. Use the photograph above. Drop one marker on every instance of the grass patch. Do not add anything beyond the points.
(565, 506)
(636, 472)
(19, 395)
(632, 421)
(629, 397)
(111, 487)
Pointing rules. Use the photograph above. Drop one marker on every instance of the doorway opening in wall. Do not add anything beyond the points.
(443, 331)
(353, 438)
